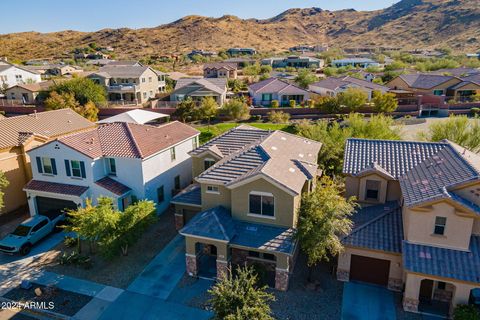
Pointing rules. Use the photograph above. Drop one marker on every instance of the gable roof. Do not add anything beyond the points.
(218, 85)
(50, 124)
(122, 71)
(128, 140)
(113, 186)
(425, 81)
(55, 187)
(275, 85)
(334, 83)
(220, 65)
(6, 65)
(137, 116)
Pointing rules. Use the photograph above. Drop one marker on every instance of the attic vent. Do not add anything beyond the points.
(252, 228)
(425, 255)
(301, 155)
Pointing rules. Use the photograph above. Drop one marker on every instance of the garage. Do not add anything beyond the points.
(371, 270)
(52, 207)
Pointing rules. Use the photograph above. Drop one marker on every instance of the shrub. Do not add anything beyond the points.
(275, 104)
(292, 103)
(236, 110)
(475, 111)
(466, 312)
(75, 258)
(70, 242)
(278, 117)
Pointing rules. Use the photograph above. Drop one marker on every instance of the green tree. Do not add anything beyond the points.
(328, 104)
(83, 89)
(466, 312)
(459, 129)
(376, 127)
(395, 65)
(60, 101)
(252, 70)
(266, 69)
(236, 85)
(207, 110)
(384, 102)
(3, 184)
(236, 109)
(323, 219)
(305, 78)
(352, 98)
(278, 117)
(238, 297)
(185, 110)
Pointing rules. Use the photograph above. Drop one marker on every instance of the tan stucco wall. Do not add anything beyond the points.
(11, 163)
(396, 268)
(210, 200)
(18, 93)
(389, 189)
(383, 188)
(284, 203)
(420, 225)
(394, 192)
(198, 165)
(222, 249)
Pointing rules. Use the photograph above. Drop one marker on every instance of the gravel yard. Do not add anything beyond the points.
(121, 271)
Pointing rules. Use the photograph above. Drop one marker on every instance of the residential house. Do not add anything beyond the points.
(244, 206)
(27, 93)
(220, 70)
(123, 161)
(334, 85)
(131, 63)
(199, 88)
(203, 53)
(129, 84)
(294, 62)
(418, 230)
(63, 70)
(450, 87)
(11, 75)
(355, 63)
(264, 92)
(22, 133)
(241, 51)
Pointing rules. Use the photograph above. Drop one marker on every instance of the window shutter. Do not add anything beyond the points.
(82, 169)
(39, 165)
(54, 166)
(67, 168)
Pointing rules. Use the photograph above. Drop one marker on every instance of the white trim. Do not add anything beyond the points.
(185, 204)
(281, 269)
(212, 191)
(204, 238)
(255, 215)
(260, 193)
(268, 179)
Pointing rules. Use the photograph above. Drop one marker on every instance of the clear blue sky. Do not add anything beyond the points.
(91, 15)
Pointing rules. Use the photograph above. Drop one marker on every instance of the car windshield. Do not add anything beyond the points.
(21, 231)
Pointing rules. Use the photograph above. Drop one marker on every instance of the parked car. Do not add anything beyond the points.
(29, 233)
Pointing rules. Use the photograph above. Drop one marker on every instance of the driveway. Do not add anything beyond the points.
(367, 302)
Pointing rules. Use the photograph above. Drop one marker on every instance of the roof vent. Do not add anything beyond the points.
(291, 170)
(301, 155)
(283, 138)
(274, 148)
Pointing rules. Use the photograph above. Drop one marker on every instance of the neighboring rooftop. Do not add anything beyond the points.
(189, 196)
(275, 85)
(218, 85)
(334, 83)
(50, 124)
(137, 116)
(122, 71)
(220, 65)
(424, 80)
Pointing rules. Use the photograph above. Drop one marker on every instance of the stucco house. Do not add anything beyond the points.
(220, 70)
(22, 133)
(129, 84)
(418, 231)
(243, 207)
(199, 88)
(264, 92)
(294, 62)
(123, 161)
(334, 85)
(11, 75)
(27, 93)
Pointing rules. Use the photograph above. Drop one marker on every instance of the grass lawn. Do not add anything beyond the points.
(209, 132)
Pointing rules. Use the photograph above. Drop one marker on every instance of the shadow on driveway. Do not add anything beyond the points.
(367, 302)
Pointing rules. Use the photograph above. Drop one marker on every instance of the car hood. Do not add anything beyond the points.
(12, 241)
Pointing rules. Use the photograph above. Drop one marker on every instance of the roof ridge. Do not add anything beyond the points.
(129, 132)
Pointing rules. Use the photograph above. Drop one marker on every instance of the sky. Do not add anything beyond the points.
(92, 15)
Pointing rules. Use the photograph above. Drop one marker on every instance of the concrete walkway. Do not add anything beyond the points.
(367, 302)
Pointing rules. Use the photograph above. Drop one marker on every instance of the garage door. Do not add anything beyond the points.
(52, 208)
(369, 270)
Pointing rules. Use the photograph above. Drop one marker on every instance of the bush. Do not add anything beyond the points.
(475, 111)
(236, 110)
(256, 118)
(278, 117)
(292, 103)
(466, 312)
(275, 104)
(328, 104)
(74, 258)
(70, 242)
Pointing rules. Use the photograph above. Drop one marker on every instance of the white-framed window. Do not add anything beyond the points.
(76, 169)
(47, 165)
(143, 80)
(440, 223)
(18, 78)
(149, 79)
(213, 189)
(173, 155)
(261, 204)
(145, 95)
(111, 166)
(208, 162)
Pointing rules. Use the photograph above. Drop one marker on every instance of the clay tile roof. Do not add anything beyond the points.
(128, 140)
(113, 186)
(50, 124)
(53, 187)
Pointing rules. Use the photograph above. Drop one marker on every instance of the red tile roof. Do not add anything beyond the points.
(128, 140)
(53, 187)
(113, 186)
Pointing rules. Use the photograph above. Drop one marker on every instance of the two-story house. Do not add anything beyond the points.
(11, 75)
(124, 161)
(129, 84)
(249, 187)
(419, 227)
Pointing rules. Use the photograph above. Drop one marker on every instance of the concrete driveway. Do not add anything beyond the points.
(367, 302)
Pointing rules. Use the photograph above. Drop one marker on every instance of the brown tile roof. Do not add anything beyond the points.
(50, 124)
(128, 140)
(53, 187)
(220, 65)
(113, 186)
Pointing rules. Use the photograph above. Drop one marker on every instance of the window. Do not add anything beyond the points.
(194, 143)
(145, 95)
(173, 156)
(208, 163)
(262, 204)
(76, 170)
(441, 285)
(212, 189)
(266, 97)
(149, 79)
(372, 188)
(18, 77)
(143, 80)
(151, 93)
(47, 165)
(112, 167)
(176, 182)
(437, 92)
(160, 194)
(40, 225)
(440, 223)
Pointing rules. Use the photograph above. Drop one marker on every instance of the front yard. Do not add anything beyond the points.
(122, 270)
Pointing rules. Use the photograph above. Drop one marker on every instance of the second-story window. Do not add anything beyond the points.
(75, 168)
(208, 163)
(213, 189)
(76, 171)
(46, 165)
(112, 166)
(149, 79)
(143, 80)
(262, 204)
(173, 156)
(440, 223)
(372, 190)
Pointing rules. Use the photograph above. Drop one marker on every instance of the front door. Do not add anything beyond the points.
(426, 289)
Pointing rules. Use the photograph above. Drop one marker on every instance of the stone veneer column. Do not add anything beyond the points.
(410, 304)
(281, 279)
(395, 284)
(179, 221)
(222, 269)
(192, 264)
(343, 275)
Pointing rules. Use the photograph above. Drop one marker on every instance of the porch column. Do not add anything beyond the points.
(282, 272)
(411, 294)
(223, 261)
(191, 258)
(343, 267)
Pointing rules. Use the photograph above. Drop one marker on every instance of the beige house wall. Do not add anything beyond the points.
(400, 84)
(17, 93)
(389, 189)
(284, 203)
(211, 200)
(420, 227)
(222, 248)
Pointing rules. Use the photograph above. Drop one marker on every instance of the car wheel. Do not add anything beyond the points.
(25, 249)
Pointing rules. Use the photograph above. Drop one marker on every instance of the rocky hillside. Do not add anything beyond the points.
(408, 23)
